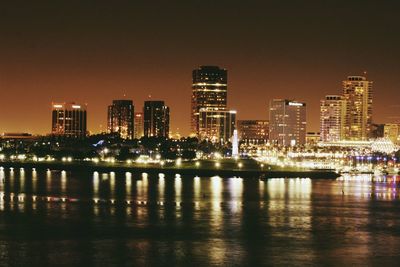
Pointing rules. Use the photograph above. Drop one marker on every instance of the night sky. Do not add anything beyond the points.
(98, 51)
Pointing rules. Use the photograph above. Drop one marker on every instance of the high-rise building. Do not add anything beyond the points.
(357, 115)
(68, 119)
(253, 131)
(156, 119)
(120, 118)
(287, 122)
(313, 138)
(209, 91)
(216, 125)
(392, 132)
(330, 118)
(138, 125)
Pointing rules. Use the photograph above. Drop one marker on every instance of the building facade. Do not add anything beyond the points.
(392, 132)
(253, 131)
(216, 125)
(120, 118)
(155, 119)
(69, 119)
(138, 125)
(287, 122)
(209, 91)
(331, 109)
(313, 138)
(357, 115)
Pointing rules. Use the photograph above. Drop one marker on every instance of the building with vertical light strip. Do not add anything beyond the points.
(156, 119)
(357, 115)
(120, 118)
(287, 122)
(138, 125)
(209, 91)
(216, 125)
(69, 119)
(331, 109)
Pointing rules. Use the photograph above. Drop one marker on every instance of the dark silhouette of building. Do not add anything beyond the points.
(156, 119)
(120, 118)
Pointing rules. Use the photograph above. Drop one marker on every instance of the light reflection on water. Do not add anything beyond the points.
(212, 221)
(214, 189)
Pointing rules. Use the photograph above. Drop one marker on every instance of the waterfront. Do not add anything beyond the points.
(90, 218)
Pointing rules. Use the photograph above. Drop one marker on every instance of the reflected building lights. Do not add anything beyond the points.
(216, 194)
(197, 187)
(2, 180)
(261, 187)
(34, 180)
(63, 182)
(21, 179)
(367, 186)
(276, 187)
(216, 187)
(128, 183)
(96, 183)
(12, 176)
(112, 183)
(48, 180)
(236, 188)
(161, 186)
(178, 188)
(299, 188)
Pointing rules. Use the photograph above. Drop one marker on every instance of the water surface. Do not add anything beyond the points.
(84, 219)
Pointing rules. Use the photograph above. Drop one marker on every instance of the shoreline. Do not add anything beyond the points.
(155, 170)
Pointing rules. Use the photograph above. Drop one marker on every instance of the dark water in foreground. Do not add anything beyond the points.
(85, 219)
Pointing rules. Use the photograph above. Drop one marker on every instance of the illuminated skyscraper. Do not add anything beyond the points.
(357, 115)
(156, 119)
(120, 118)
(216, 125)
(209, 91)
(330, 118)
(287, 122)
(68, 119)
(138, 125)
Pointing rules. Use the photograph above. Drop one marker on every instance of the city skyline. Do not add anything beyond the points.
(96, 58)
(104, 128)
(201, 132)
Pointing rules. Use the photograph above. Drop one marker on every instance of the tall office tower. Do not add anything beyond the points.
(330, 118)
(209, 91)
(253, 131)
(357, 115)
(138, 125)
(392, 132)
(156, 119)
(287, 122)
(216, 125)
(68, 119)
(120, 118)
